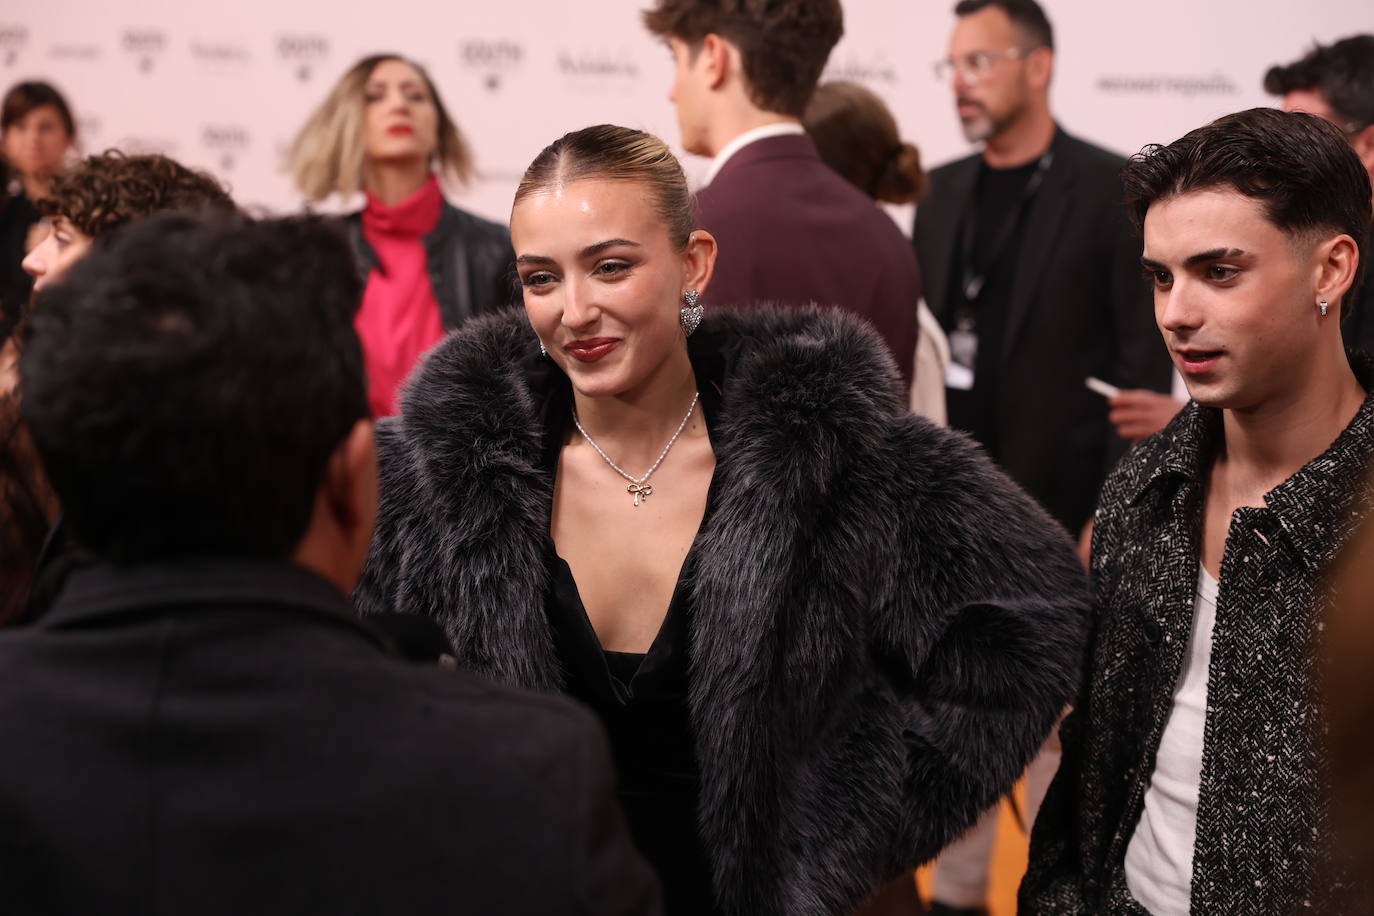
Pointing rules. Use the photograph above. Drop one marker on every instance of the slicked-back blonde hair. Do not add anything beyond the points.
(617, 154)
(329, 153)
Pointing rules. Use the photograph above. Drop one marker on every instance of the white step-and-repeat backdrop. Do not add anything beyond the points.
(224, 86)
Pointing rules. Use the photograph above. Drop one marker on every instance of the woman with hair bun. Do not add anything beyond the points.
(823, 634)
(856, 135)
(428, 266)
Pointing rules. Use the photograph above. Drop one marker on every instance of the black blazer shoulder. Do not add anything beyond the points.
(269, 734)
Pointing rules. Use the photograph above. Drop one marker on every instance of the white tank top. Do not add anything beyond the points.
(1159, 860)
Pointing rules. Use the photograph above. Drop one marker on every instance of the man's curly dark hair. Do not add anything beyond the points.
(111, 189)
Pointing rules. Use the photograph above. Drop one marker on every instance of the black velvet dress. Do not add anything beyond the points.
(642, 702)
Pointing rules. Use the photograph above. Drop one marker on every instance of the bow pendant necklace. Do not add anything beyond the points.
(639, 487)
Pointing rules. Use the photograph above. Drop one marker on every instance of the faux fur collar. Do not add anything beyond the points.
(846, 538)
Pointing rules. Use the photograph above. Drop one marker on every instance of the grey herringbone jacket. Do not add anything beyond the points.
(1262, 814)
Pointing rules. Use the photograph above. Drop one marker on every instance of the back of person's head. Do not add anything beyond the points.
(784, 43)
(1026, 17)
(1307, 179)
(188, 380)
(612, 153)
(329, 153)
(1342, 72)
(856, 136)
(110, 190)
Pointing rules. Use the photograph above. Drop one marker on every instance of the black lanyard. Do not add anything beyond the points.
(974, 278)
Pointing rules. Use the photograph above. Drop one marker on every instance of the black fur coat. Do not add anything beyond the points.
(885, 627)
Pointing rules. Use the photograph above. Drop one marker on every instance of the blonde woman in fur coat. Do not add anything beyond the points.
(822, 633)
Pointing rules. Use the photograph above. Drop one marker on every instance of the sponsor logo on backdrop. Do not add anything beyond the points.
(217, 55)
(139, 145)
(874, 69)
(491, 60)
(598, 70)
(303, 52)
(13, 39)
(226, 142)
(144, 46)
(88, 128)
(1180, 84)
(74, 52)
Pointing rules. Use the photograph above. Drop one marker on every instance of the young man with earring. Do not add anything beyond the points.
(1192, 772)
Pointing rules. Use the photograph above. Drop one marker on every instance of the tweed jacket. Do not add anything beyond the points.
(883, 626)
(1262, 814)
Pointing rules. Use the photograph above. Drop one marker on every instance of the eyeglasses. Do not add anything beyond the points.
(975, 65)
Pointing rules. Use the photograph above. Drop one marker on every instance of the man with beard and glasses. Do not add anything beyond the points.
(1033, 271)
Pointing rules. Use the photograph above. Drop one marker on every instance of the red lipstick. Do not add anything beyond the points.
(400, 130)
(591, 349)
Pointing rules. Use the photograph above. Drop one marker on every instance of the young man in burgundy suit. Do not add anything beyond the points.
(791, 231)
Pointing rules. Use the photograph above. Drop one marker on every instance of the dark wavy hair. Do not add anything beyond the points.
(101, 194)
(186, 382)
(1298, 166)
(784, 43)
(1343, 72)
(111, 189)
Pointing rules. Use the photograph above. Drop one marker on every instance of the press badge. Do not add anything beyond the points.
(963, 352)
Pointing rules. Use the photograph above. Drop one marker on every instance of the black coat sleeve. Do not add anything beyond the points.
(989, 622)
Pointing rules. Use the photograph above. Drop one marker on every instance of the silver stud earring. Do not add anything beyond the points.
(1322, 305)
(691, 313)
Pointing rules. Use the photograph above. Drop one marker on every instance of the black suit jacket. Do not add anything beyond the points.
(1080, 308)
(793, 232)
(227, 738)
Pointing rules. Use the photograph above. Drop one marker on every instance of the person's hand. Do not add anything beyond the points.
(1139, 413)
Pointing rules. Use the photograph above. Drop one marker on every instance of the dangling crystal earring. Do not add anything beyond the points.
(691, 313)
(1322, 305)
(542, 351)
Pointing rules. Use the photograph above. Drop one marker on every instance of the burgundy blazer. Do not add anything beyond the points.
(791, 231)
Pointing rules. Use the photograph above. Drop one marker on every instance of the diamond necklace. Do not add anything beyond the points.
(639, 487)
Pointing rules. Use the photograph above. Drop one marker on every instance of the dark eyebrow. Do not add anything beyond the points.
(533, 259)
(1216, 254)
(1202, 257)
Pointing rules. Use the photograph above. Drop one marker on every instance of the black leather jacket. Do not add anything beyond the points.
(471, 263)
